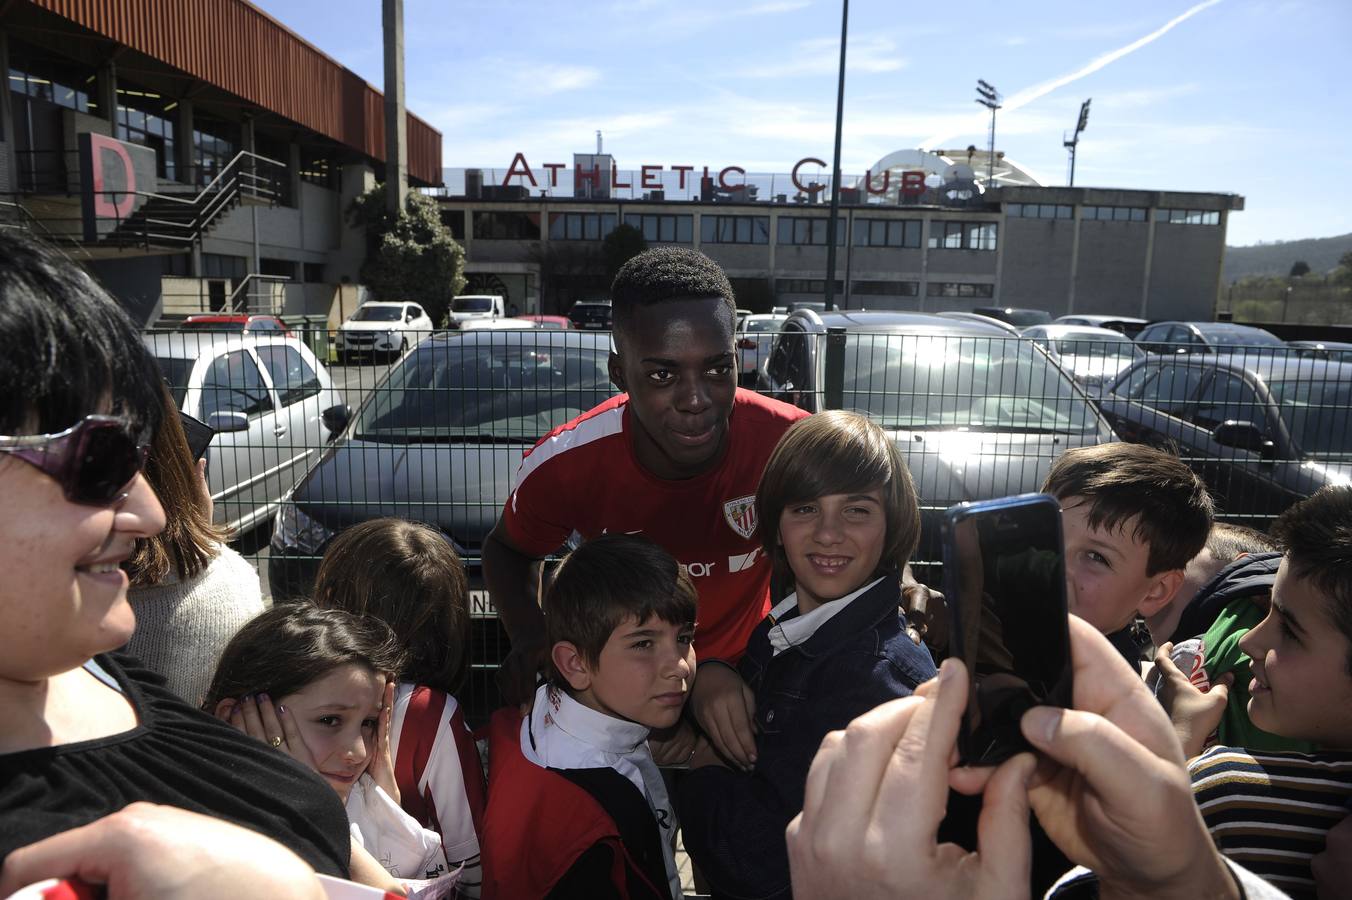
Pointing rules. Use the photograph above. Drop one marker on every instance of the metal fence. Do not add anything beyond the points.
(310, 445)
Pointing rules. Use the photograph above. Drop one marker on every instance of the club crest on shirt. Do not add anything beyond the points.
(741, 515)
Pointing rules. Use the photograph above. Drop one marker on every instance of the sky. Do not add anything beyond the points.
(1250, 97)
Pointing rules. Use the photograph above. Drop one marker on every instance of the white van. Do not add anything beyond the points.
(471, 307)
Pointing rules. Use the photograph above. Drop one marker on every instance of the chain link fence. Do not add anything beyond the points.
(306, 447)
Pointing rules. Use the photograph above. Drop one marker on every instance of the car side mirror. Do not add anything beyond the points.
(335, 419)
(228, 421)
(1244, 436)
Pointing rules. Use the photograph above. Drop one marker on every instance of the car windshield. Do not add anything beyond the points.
(1318, 414)
(1098, 347)
(176, 372)
(472, 304)
(1245, 337)
(1024, 318)
(492, 390)
(764, 324)
(236, 327)
(378, 314)
(949, 381)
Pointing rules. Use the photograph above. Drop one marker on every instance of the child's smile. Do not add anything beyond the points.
(833, 544)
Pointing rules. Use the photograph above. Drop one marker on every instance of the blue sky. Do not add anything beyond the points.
(1239, 96)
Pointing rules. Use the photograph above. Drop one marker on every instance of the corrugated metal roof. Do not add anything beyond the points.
(237, 47)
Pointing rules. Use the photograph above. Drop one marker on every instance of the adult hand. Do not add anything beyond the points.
(725, 707)
(877, 792)
(520, 672)
(382, 760)
(144, 850)
(1113, 793)
(204, 489)
(1195, 714)
(1333, 868)
(926, 611)
(673, 746)
(274, 726)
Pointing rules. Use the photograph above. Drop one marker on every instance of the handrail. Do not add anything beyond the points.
(51, 237)
(230, 301)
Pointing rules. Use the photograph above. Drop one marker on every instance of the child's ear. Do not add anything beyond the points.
(570, 664)
(224, 708)
(1162, 592)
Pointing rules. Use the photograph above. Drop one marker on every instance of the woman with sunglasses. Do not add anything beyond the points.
(84, 731)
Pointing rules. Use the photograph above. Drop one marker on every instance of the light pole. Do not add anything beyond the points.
(989, 97)
(835, 166)
(1075, 141)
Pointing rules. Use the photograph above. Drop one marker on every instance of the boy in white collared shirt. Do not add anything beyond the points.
(576, 805)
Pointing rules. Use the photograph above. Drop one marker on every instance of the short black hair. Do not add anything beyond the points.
(1121, 481)
(68, 346)
(1228, 541)
(1316, 535)
(604, 581)
(666, 273)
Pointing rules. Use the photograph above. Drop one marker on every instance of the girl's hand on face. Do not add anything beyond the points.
(257, 717)
(382, 761)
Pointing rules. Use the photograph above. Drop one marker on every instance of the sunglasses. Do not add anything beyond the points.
(94, 460)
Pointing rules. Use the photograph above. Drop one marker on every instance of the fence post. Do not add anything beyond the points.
(834, 380)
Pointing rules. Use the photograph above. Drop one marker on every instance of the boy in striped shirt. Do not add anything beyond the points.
(1272, 811)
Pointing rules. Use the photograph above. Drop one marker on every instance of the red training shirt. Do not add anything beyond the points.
(584, 477)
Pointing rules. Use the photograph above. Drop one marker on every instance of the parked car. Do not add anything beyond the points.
(977, 412)
(273, 407)
(476, 307)
(235, 323)
(755, 337)
(381, 328)
(1263, 430)
(978, 317)
(1092, 356)
(1018, 317)
(1128, 325)
(508, 323)
(1204, 337)
(439, 440)
(553, 323)
(590, 315)
(1338, 351)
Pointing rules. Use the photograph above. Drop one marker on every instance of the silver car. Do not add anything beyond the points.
(1092, 356)
(268, 398)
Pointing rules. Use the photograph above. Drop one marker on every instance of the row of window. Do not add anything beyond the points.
(1111, 213)
(962, 235)
(1188, 216)
(1039, 211)
(959, 289)
(1114, 213)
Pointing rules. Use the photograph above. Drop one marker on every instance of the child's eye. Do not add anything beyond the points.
(1286, 630)
(330, 721)
(660, 376)
(369, 724)
(686, 639)
(1095, 557)
(722, 371)
(803, 509)
(642, 645)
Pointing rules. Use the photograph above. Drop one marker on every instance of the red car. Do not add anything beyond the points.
(239, 323)
(553, 323)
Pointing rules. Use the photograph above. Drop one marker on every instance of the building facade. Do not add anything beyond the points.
(181, 148)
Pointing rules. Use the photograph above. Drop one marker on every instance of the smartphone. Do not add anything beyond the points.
(199, 435)
(1005, 587)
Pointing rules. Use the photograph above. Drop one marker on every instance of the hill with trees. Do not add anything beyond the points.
(1321, 254)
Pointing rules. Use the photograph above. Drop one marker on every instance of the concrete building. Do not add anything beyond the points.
(198, 156)
(919, 231)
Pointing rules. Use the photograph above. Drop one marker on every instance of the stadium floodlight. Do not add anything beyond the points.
(1073, 143)
(989, 97)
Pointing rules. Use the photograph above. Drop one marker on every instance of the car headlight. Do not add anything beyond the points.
(293, 530)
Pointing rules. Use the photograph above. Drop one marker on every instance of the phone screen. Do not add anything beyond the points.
(1005, 585)
(198, 433)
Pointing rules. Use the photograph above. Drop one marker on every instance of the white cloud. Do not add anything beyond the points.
(821, 56)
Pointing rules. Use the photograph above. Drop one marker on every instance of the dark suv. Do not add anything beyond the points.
(590, 315)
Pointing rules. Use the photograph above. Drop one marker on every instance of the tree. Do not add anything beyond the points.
(621, 245)
(412, 257)
(1299, 268)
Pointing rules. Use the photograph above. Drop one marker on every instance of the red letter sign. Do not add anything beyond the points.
(525, 166)
(798, 184)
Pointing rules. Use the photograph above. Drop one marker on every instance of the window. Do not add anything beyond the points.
(580, 226)
(1188, 216)
(143, 117)
(668, 229)
(885, 233)
(1039, 211)
(313, 273)
(506, 226)
(41, 78)
(805, 286)
(805, 231)
(735, 229)
(216, 265)
(292, 377)
(214, 145)
(788, 361)
(1171, 391)
(1134, 383)
(959, 289)
(886, 288)
(963, 235)
(282, 268)
(1113, 213)
(319, 169)
(454, 220)
(1228, 397)
(234, 384)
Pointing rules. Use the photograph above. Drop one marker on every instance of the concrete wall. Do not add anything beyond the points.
(1185, 271)
(1110, 268)
(1036, 268)
(134, 281)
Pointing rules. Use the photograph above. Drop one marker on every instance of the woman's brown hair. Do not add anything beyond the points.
(837, 452)
(408, 575)
(188, 542)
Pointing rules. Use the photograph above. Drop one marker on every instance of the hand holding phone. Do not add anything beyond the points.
(1005, 585)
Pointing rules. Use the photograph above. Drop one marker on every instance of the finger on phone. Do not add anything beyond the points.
(870, 745)
(1002, 829)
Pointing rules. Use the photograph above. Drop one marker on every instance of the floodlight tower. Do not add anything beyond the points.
(989, 97)
(1075, 141)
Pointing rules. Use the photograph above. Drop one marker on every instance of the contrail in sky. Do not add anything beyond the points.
(1028, 95)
